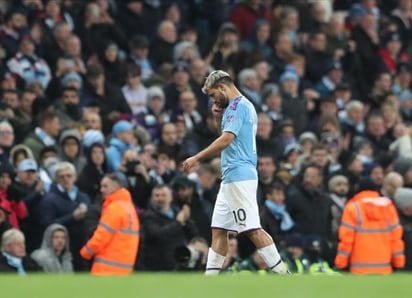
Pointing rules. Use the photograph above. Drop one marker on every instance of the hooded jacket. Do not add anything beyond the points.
(370, 236)
(46, 257)
(79, 161)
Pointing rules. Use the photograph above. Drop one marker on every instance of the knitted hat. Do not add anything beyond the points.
(335, 180)
(403, 197)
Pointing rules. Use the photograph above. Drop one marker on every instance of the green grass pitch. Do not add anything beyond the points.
(164, 285)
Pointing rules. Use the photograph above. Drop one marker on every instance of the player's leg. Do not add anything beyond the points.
(217, 252)
(267, 250)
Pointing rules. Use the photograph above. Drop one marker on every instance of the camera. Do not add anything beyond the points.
(188, 258)
(131, 165)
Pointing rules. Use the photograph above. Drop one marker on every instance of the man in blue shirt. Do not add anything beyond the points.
(236, 204)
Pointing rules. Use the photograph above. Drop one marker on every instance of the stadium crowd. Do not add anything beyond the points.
(90, 88)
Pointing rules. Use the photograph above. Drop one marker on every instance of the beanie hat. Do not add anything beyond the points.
(335, 180)
(92, 136)
(403, 197)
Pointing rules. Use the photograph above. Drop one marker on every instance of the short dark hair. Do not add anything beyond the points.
(115, 178)
(45, 116)
(277, 185)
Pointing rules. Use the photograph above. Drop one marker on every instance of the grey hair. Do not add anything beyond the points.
(354, 104)
(215, 77)
(9, 236)
(180, 47)
(63, 166)
(246, 74)
(6, 124)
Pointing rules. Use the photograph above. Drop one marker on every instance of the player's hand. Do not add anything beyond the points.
(217, 111)
(190, 163)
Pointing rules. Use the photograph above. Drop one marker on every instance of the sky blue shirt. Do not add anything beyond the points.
(239, 158)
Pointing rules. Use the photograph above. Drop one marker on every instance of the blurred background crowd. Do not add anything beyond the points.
(94, 87)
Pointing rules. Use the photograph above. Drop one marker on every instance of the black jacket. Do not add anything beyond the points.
(28, 263)
(161, 236)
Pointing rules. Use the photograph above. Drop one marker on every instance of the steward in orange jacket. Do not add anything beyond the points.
(115, 242)
(370, 236)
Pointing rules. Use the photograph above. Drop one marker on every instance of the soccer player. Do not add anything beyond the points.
(236, 206)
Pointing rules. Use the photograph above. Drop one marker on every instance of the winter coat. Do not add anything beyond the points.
(115, 243)
(46, 257)
(370, 235)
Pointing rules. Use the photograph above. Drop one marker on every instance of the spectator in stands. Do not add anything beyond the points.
(316, 54)
(132, 18)
(164, 228)
(265, 143)
(332, 77)
(282, 50)
(48, 128)
(71, 60)
(13, 256)
(14, 207)
(6, 140)
(250, 86)
(367, 43)
(225, 51)
(187, 110)
(154, 114)
(273, 214)
(89, 178)
(112, 59)
(245, 15)
(68, 206)
(403, 202)
(294, 106)
(15, 24)
(161, 49)
(309, 205)
(92, 120)
(376, 133)
(108, 97)
(139, 53)
(99, 27)
(391, 182)
(185, 196)
(400, 16)
(137, 174)
(134, 91)
(68, 107)
(71, 149)
(179, 82)
(54, 254)
(266, 175)
(338, 186)
(258, 41)
(123, 139)
(27, 65)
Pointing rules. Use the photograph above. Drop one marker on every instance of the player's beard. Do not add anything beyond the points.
(223, 101)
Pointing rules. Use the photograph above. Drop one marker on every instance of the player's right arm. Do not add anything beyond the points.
(213, 149)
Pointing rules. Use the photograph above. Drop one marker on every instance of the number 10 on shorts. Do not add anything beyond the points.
(239, 215)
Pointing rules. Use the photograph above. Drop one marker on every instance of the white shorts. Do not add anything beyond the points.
(236, 207)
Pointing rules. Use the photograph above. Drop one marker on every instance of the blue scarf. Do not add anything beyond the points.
(170, 214)
(279, 212)
(15, 262)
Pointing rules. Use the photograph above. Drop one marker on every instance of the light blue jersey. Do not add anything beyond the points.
(239, 158)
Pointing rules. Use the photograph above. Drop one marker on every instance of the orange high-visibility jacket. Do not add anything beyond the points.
(115, 242)
(370, 235)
